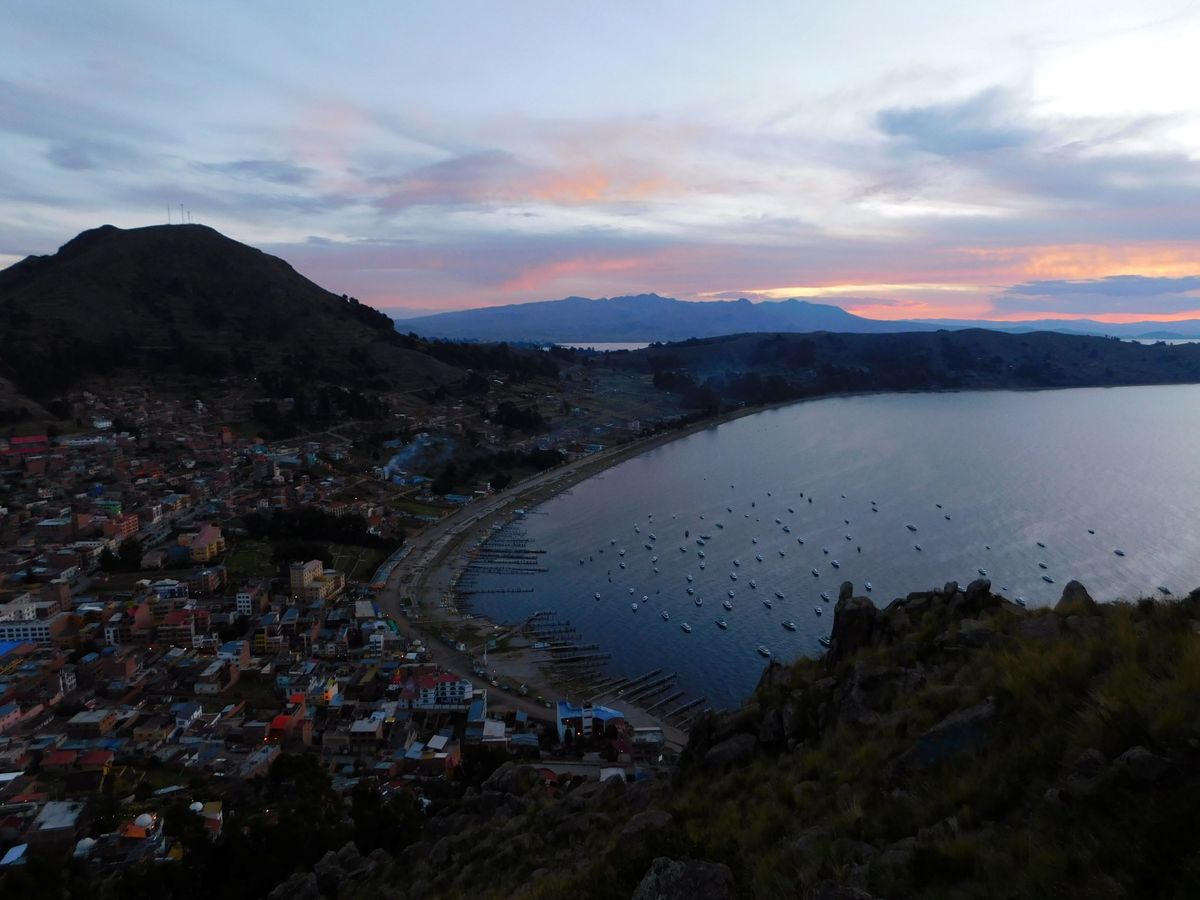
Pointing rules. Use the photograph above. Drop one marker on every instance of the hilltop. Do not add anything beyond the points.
(186, 300)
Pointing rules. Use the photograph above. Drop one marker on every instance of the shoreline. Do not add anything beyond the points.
(416, 589)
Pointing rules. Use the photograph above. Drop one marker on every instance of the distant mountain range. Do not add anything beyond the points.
(650, 317)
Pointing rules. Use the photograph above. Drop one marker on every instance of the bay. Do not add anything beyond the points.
(984, 477)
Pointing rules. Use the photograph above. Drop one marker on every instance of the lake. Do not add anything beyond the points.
(984, 477)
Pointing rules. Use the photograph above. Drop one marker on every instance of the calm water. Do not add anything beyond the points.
(1009, 470)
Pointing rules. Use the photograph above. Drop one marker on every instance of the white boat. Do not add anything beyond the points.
(683, 549)
(791, 510)
(917, 547)
(1047, 579)
(867, 585)
(731, 592)
(652, 537)
(686, 627)
(699, 601)
(721, 623)
(777, 521)
(789, 625)
(758, 556)
(754, 540)
(799, 540)
(621, 564)
(654, 559)
(825, 642)
(702, 564)
(787, 529)
(766, 601)
(737, 562)
(825, 550)
(825, 597)
(700, 553)
(633, 606)
(779, 594)
(727, 604)
(818, 611)
(733, 576)
(700, 542)
(816, 574)
(631, 591)
(621, 552)
(753, 583)
(835, 563)
(645, 598)
(1042, 565)
(781, 553)
(689, 578)
(911, 527)
(637, 529)
(691, 590)
(1020, 601)
(666, 615)
(763, 650)
(982, 572)
(596, 595)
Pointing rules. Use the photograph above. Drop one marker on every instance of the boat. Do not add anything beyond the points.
(682, 549)
(1119, 552)
(700, 542)
(733, 576)
(633, 606)
(612, 541)
(648, 545)
(754, 540)
(596, 595)
(1091, 531)
(637, 529)
(781, 553)
(622, 565)
(799, 540)
(691, 590)
(825, 597)
(645, 598)
(666, 616)
(763, 650)
(727, 604)
(699, 601)
(835, 563)
(947, 518)
(656, 570)
(753, 584)
(719, 525)
(758, 556)
(702, 564)
(825, 642)
(766, 601)
(787, 529)
(689, 578)
(721, 623)
(867, 585)
(917, 547)
(737, 562)
(686, 627)
(706, 537)
(825, 550)
(982, 572)
(731, 594)
(1042, 565)
(1166, 591)
(790, 625)
(652, 537)
(911, 527)
(621, 552)
(817, 610)
(631, 591)
(1040, 544)
(700, 553)
(1020, 601)
(791, 510)
(776, 521)
(816, 574)
(938, 505)
(654, 559)
(1047, 579)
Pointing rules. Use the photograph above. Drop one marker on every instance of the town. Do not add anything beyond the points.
(183, 605)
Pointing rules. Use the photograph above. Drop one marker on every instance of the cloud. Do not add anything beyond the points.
(274, 171)
(1137, 294)
(977, 124)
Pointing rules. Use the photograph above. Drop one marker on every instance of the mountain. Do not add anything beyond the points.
(186, 301)
(643, 317)
(649, 317)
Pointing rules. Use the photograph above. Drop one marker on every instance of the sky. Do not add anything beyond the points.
(930, 159)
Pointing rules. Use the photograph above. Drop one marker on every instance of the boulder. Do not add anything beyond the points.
(512, 778)
(641, 828)
(1039, 628)
(1075, 601)
(975, 633)
(730, 752)
(853, 627)
(301, 886)
(959, 732)
(1086, 773)
(1141, 765)
(846, 591)
(685, 879)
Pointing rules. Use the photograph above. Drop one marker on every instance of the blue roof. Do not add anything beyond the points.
(7, 647)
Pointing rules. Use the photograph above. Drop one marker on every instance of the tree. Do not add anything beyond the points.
(130, 554)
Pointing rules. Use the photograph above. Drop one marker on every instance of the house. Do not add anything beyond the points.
(584, 721)
(205, 545)
(91, 723)
(443, 691)
(57, 826)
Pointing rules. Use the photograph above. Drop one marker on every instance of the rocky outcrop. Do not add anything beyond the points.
(854, 621)
(958, 733)
(730, 751)
(1075, 601)
(332, 875)
(1142, 766)
(685, 879)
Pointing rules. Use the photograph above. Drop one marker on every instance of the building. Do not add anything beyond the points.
(444, 691)
(251, 599)
(57, 825)
(205, 545)
(301, 575)
(584, 721)
(35, 631)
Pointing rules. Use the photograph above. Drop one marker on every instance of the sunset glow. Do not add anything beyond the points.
(1027, 162)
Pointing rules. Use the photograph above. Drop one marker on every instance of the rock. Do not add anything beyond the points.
(441, 852)
(574, 826)
(730, 752)
(685, 879)
(831, 890)
(975, 633)
(808, 839)
(853, 627)
(1040, 628)
(329, 874)
(1086, 773)
(770, 731)
(1076, 601)
(950, 588)
(959, 732)
(978, 594)
(898, 855)
(774, 674)
(846, 591)
(1141, 765)
(301, 886)
(641, 828)
(512, 778)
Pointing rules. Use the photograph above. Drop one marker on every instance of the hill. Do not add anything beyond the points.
(644, 317)
(186, 300)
